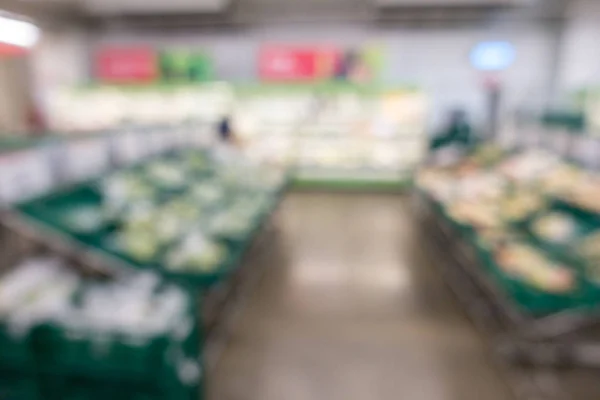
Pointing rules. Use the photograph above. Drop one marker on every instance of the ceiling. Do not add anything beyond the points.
(194, 13)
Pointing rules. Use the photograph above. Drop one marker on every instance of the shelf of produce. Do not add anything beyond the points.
(63, 354)
(219, 294)
(545, 339)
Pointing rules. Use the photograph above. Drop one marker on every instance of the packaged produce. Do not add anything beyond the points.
(529, 265)
(137, 243)
(518, 205)
(121, 190)
(589, 247)
(84, 218)
(196, 253)
(167, 175)
(554, 227)
(487, 155)
(562, 180)
(477, 213)
(208, 192)
(230, 224)
(529, 165)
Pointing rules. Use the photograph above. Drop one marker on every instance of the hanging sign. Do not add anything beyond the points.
(126, 65)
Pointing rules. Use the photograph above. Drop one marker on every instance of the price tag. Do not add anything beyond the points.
(24, 174)
(86, 158)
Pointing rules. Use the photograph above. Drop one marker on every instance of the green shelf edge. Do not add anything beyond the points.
(352, 185)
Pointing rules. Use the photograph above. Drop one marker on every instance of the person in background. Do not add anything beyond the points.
(224, 130)
(227, 145)
(458, 131)
(456, 138)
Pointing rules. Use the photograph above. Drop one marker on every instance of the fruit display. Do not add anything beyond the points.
(528, 264)
(562, 180)
(528, 166)
(589, 247)
(477, 214)
(518, 205)
(555, 227)
(585, 195)
(532, 215)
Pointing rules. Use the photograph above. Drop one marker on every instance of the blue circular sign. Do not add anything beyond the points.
(492, 56)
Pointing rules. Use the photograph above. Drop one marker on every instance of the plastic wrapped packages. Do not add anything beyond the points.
(196, 252)
(208, 193)
(476, 213)
(34, 292)
(121, 190)
(166, 174)
(230, 224)
(529, 265)
(529, 166)
(562, 180)
(555, 227)
(518, 205)
(84, 218)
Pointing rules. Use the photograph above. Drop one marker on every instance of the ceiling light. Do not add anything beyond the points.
(18, 33)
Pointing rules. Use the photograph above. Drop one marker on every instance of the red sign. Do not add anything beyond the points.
(126, 65)
(9, 50)
(287, 63)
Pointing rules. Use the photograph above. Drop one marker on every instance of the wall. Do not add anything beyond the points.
(14, 96)
(436, 59)
(60, 59)
(580, 66)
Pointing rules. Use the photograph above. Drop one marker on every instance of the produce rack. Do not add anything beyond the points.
(555, 339)
(333, 134)
(52, 359)
(219, 293)
(540, 350)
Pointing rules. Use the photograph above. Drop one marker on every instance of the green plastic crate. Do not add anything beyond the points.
(15, 386)
(526, 297)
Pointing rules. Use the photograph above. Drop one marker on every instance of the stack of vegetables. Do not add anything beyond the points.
(68, 337)
(533, 219)
(186, 214)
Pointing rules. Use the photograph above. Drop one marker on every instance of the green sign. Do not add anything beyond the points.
(183, 66)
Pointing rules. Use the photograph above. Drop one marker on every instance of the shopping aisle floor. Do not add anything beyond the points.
(350, 310)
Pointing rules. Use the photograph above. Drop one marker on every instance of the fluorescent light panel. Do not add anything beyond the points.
(18, 33)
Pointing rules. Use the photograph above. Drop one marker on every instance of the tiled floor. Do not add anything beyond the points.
(349, 310)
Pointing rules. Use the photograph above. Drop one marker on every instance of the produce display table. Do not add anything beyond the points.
(69, 330)
(185, 216)
(541, 304)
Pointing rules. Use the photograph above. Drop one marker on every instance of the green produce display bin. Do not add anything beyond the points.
(55, 211)
(16, 352)
(59, 363)
(526, 297)
(18, 387)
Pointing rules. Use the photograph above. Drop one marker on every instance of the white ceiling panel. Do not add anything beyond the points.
(447, 3)
(148, 7)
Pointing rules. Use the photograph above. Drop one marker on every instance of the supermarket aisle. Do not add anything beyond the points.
(349, 310)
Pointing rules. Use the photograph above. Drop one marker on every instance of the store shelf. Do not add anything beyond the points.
(554, 334)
